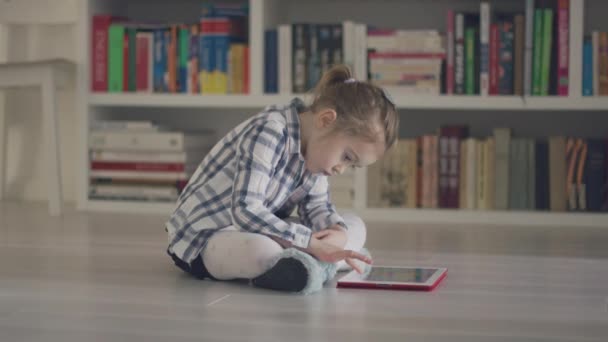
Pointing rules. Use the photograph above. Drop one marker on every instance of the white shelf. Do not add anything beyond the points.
(403, 101)
(405, 216)
(269, 13)
(185, 100)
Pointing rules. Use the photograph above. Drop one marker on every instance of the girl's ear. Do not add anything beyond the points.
(325, 118)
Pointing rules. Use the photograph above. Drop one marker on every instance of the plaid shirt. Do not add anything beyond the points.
(252, 180)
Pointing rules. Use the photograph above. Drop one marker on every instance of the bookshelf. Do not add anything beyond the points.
(264, 14)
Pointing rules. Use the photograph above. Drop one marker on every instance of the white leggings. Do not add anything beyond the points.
(231, 254)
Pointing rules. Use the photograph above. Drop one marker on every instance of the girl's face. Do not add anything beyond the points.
(331, 152)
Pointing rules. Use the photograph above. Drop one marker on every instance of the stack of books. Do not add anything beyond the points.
(140, 161)
(410, 60)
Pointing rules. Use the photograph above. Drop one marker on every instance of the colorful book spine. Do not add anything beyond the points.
(300, 33)
(132, 58)
(470, 38)
(99, 52)
(588, 67)
(563, 47)
(314, 59)
(116, 36)
(494, 56)
(246, 71)
(193, 62)
(529, 48)
(459, 55)
(547, 42)
(207, 57)
(183, 57)
(160, 60)
(603, 64)
(519, 57)
(271, 65)
(449, 79)
(595, 36)
(172, 62)
(222, 47)
(505, 60)
(127, 64)
(537, 54)
(484, 45)
(144, 61)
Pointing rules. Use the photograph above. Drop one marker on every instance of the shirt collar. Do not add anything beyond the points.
(295, 107)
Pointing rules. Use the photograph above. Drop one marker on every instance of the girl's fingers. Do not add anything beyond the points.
(358, 256)
(354, 265)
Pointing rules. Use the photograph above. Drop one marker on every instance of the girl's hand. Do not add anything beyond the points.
(335, 235)
(328, 252)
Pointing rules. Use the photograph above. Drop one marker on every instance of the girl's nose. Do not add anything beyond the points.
(338, 169)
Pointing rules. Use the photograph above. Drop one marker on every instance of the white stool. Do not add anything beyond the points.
(47, 74)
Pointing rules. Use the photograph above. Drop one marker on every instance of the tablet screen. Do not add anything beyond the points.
(400, 275)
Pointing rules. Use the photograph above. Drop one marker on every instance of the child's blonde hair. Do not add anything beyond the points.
(358, 104)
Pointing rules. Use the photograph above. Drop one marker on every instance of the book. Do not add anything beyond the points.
(502, 138)
(129, 174)
(449, 80)
(603, 64)
(144, 61)
(143, 157)
(472, 147)
(563, 47)
(531, 175)
(595, 36)
(537, 53)
(193, 84)
(588, 75)
(149, 141)
(285, 61)
(505, 60)
(542, 175)
(459, 55)
(518, 172)
(557, 173)
(116, 36)
(490, 174)
(581, 187)
(494, 58)
(530, 35)
(472, 62)
(484, 44)
(547, 43)
(482, 177)
(519, 56)
(99, 51)
(271, 65)
(300, 54)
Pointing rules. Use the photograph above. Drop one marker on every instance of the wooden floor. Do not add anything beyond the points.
(102, 277)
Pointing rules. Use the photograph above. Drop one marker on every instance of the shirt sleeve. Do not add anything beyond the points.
(258, 153)
(316, 210)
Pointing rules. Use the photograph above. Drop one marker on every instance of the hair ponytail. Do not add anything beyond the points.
(360, 105)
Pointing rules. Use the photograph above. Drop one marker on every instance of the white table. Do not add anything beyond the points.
(48, 75)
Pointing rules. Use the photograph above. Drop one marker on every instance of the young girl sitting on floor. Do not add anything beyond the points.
(232, 219)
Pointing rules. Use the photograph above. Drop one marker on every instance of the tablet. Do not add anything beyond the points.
(398, 278)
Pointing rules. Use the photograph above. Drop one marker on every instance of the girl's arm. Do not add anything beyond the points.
(258, 152)
(316, 210)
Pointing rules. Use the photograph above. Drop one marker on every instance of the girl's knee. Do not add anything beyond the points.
(261, 247)
(356, 226)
